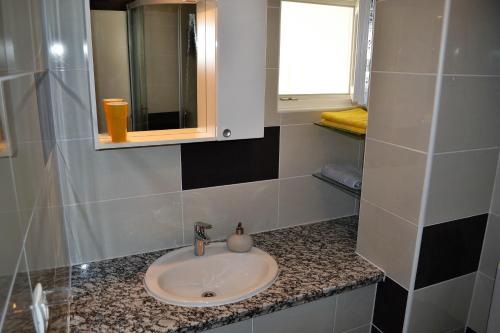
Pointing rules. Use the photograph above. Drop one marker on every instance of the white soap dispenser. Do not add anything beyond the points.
(239, 242)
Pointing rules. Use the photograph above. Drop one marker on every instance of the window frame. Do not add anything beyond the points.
(288, 103)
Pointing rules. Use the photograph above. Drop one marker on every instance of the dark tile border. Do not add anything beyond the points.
(450, 249)
(390, 307)
(218, 163)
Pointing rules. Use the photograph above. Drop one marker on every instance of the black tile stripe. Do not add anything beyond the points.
(230, 162)
(109, 4)
(390, 307)
(469, 330)
(450, 249)
(375, 329)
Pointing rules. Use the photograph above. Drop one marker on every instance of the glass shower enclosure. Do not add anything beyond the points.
(163, 65)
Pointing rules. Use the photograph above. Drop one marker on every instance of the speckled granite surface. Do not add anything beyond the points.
(315, 261)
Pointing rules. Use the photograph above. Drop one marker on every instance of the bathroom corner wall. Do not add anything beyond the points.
(462, 174)
(33, 246)
(430, 162)
(490, 258)
(401, 105)
(126, 201)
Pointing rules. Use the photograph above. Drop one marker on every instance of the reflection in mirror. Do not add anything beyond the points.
(7, 147)
(146, 54)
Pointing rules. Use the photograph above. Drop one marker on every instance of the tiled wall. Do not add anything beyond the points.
(430, 162)
(120, 202)
(490, 258)
(404, 72)
(349, 312)
(33, 247)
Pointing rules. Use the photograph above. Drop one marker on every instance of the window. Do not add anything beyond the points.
(318, 40)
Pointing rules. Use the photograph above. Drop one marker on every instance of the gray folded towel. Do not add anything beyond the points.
(344, 174)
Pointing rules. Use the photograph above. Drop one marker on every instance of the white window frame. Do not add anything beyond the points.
(358, 94)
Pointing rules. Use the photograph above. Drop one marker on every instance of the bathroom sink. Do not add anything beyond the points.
(216, 278)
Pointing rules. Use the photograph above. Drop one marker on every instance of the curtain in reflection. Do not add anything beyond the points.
(139, 110)
(189, 80)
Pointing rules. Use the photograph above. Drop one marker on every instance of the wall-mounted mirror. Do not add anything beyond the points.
(158, 56)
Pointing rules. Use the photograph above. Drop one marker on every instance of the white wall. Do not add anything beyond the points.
(111, 66)
(162, 67)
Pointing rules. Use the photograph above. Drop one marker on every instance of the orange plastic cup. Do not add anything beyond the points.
(105, 101)
(118, 115)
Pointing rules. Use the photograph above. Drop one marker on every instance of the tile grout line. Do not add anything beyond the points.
(355, 328)
(469, 312)
(471, 75)
(486, 276)
(378, 329)
(428, 167)
(335, 312)
(90, 202)
(435, 74)
(466, 150)
(396, 145)
(446, 281)
(389, 212)
(405, 73)
(374, 301)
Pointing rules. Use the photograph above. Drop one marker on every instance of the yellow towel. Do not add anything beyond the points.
(343, 127)
(354, 118)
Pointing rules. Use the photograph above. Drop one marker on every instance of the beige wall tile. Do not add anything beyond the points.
(294, 118)
(442, 307)
(401, 108)
(273, 37)
(461, 185)
(481, 302)
(407, 35)
(274, 3)
(271, 115)
(490, 256)
(241, 327)
(387, 241)
(495, 203)
(304, 149)
(115, 228)
(393, 178)
(473, 43)
(318, 315)
(254, 204)
(101, 175)
(307, 199)
(354, 309)
(469, 114)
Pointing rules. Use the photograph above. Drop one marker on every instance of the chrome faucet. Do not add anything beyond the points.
(200, 238)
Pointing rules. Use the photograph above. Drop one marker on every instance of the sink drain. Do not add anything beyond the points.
(208, 294)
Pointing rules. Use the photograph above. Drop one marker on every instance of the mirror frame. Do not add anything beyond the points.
(206, 87)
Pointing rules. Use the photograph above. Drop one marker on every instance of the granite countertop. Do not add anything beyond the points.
(315, 261)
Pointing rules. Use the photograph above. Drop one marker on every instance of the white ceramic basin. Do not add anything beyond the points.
(181, 278)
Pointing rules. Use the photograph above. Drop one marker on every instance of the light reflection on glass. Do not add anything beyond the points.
(57, 49)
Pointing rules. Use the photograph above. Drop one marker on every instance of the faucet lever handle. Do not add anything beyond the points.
(202, 225)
